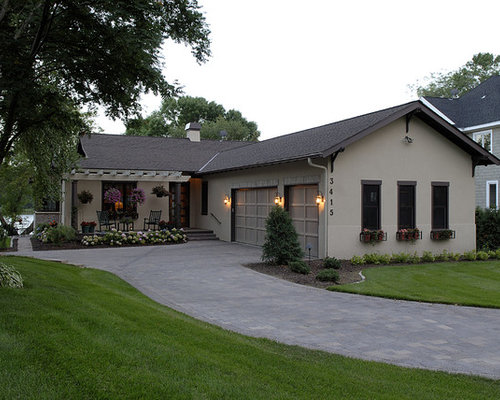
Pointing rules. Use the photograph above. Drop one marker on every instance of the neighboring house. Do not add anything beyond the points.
(477, 114)
(399, 168)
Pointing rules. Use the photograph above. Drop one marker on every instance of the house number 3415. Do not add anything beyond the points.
(330, 192)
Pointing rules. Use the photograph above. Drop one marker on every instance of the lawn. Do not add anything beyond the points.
(475, 283)
(83, 333)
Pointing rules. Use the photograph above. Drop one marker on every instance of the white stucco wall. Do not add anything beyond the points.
(384, 156)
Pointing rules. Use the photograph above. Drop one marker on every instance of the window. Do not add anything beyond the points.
(406, 205)
(49, 206)
(484, 139)
(492, 194)
(129, 210)
(440, 205)
(370, 205)
(204, 198)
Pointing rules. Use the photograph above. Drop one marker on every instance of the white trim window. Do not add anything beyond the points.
(492, 194)
(484, 138)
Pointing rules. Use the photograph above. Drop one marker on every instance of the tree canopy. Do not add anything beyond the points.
(58, 56)
(174, 113)
(456, 83)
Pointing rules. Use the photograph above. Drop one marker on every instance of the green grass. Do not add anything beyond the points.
(83, 333)
(475, 283)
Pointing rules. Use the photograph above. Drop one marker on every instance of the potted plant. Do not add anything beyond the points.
(85, 197)
(160, 191)
(88, 227)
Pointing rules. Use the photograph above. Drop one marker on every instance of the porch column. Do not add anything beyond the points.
(177, 205)
(74, 204)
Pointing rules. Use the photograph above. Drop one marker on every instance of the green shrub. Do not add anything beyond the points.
(470, 255)
(328, 275)
(10, 277)
(3, 232)
(414, 258)
(498, 253)
(281, 244)
(444, 256)
(492, 254)
(332, 262)
(428, 257)
(358, 260)
(400, 257)
(58, 234)
(482, 255)
(299, 266)
(371, 258)
(384, 259)
(487, 228)
(5, 242)
(455, 256)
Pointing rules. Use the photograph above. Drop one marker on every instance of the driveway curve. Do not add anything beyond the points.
(206, 280)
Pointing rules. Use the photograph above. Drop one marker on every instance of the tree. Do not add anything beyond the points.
(57, 56)
(173, 115)
(281, 244)
(456, 83)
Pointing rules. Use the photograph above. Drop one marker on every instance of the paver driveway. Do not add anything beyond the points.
(206, 281)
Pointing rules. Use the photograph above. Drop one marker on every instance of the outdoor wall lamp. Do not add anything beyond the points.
(408, 140)
(320, 198)
(227, 200)
(277, 198)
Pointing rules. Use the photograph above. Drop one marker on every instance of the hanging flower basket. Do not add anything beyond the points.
(160, 191)
(85, 197)
(137, 196)
(372, 236)
(112, 195)
(409, 235)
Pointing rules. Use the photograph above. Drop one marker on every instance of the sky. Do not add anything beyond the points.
(293, 65)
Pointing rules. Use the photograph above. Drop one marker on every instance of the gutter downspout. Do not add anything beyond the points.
(309, 161)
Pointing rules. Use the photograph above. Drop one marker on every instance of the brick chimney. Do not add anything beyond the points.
(193, 131)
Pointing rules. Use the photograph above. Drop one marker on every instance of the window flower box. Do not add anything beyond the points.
(372, 236)
(409, 235)
(443, 234)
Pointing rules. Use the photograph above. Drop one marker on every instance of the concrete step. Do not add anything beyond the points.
(200, 234)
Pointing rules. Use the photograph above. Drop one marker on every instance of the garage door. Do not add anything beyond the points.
(304, 212)
(251, 210)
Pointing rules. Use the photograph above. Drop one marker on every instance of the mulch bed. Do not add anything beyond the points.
(13, 248)
(38, 245)
(348, 273)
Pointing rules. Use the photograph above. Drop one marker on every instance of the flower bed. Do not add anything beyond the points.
(119, 238)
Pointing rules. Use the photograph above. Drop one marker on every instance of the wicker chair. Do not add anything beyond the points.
(154, 219)
(103, 218)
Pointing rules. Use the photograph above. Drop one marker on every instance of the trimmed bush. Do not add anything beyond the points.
(428, 257)
(328, 275)
(371, 258)
(281, 244)
(10, 277)
(492, 254)
(444, 256)
(299, 266)
(358, 260)
(332, 262)
(400, 258)
(470, 255)
(455, 256)
(414, 258)
(482, 255)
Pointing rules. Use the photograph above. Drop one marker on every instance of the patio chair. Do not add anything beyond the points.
(154, 219)
(103, 218)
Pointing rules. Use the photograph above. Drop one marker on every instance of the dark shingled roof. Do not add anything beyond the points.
(149, 153)
(315, 142)
(478, 106)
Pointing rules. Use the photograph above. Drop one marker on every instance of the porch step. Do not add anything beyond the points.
(200, 234)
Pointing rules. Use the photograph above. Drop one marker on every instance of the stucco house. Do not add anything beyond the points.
(403, 167)
(477, 114)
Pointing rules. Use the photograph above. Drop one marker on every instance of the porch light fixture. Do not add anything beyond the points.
(408, 139)
(227, 200)
(320, 198)
(277, 198)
